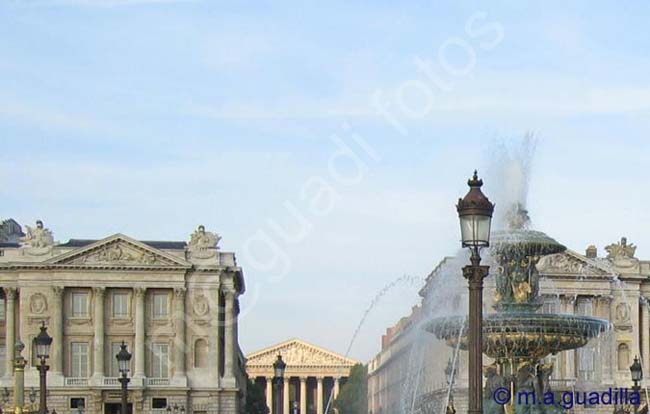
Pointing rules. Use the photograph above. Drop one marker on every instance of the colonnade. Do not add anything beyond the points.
(303, 393)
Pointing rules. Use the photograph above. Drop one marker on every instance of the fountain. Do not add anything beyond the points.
(516, 336)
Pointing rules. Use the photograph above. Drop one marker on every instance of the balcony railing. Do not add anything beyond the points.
(76, 382)
(111, 381)
(562, 384)
(154, 382)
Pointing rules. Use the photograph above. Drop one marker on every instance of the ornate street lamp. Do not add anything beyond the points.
(475, 214)
(123, 360)
(278, 371)
(637, 375)
(43, 342)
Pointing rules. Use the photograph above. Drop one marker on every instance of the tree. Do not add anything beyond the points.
(353, 397)
(255, 399)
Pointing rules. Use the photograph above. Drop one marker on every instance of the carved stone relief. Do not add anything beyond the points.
(37, 304)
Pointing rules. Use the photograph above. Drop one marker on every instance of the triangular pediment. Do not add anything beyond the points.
(296, 352)
(118, 250)
(570, 263)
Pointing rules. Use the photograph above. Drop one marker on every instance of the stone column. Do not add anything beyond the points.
(286, 404)
(269, 393)
(229, 365)
(319, 395)
(10, 326)
(645, 336)
(138, 351)
(56, 331)
(303, 395)
(337, 387)
(179, 327)
(98, 343)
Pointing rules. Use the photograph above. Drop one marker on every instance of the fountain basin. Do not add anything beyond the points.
(522, 335)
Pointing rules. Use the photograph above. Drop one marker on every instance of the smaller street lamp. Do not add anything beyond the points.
(123, 360)
(278, 371)
(637, 375)
(295, 407)
(43, 341)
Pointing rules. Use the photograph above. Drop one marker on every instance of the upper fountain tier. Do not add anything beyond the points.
(516, 252)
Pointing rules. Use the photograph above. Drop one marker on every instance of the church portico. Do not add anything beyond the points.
(312, 376)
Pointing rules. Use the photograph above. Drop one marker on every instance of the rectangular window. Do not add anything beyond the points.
(78, 403)
(79, 304)
(158, 403)
(2, 309)
(115, 369)
(79, 359)
(160, 305)
(120, 305)
(160, 360)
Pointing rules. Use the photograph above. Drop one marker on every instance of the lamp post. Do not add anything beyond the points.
(637, 375)
(123, 359)
(475, 214)
(43, 342)
(278, 379)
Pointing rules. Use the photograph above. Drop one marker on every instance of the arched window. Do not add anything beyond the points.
(201, 353)
(623, 357)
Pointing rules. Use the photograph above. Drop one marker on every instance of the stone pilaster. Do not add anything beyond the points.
(319, 395)
(138, 353)
(10, 327)
(645, 335)
(568, 303)
(179, 326)
(230, 326)
(56, 331)
(98, 342)
(303, 394)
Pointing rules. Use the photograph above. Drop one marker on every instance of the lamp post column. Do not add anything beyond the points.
(19, 378)
(42, 369)
(124, 381)
(277, 398)
(475, 273)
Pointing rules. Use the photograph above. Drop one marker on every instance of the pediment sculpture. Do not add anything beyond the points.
(118, 253)
(38, 240)
(203, 244)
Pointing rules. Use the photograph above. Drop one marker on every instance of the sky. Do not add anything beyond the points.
(326, 142)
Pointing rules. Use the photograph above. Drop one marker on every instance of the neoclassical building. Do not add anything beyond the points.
(312, 375)
(174, 303)
(613, 285)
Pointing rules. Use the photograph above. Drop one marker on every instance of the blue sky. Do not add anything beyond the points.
(150, 117)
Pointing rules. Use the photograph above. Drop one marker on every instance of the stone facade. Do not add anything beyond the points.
(313, 374)
(615, 287)
(175, 304)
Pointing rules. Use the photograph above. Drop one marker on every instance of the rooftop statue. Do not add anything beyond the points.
(38, 238)
(203, 244)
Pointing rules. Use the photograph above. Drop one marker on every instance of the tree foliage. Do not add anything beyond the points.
(353, 397)
(255, 399)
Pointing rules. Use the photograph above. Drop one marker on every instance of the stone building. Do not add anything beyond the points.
(614, 286)
(175, 304)
(313, 374)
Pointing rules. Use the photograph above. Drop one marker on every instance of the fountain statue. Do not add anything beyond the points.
(516, 336)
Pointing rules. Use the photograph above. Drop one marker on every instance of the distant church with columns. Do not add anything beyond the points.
(312, 375)
(174, 303)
